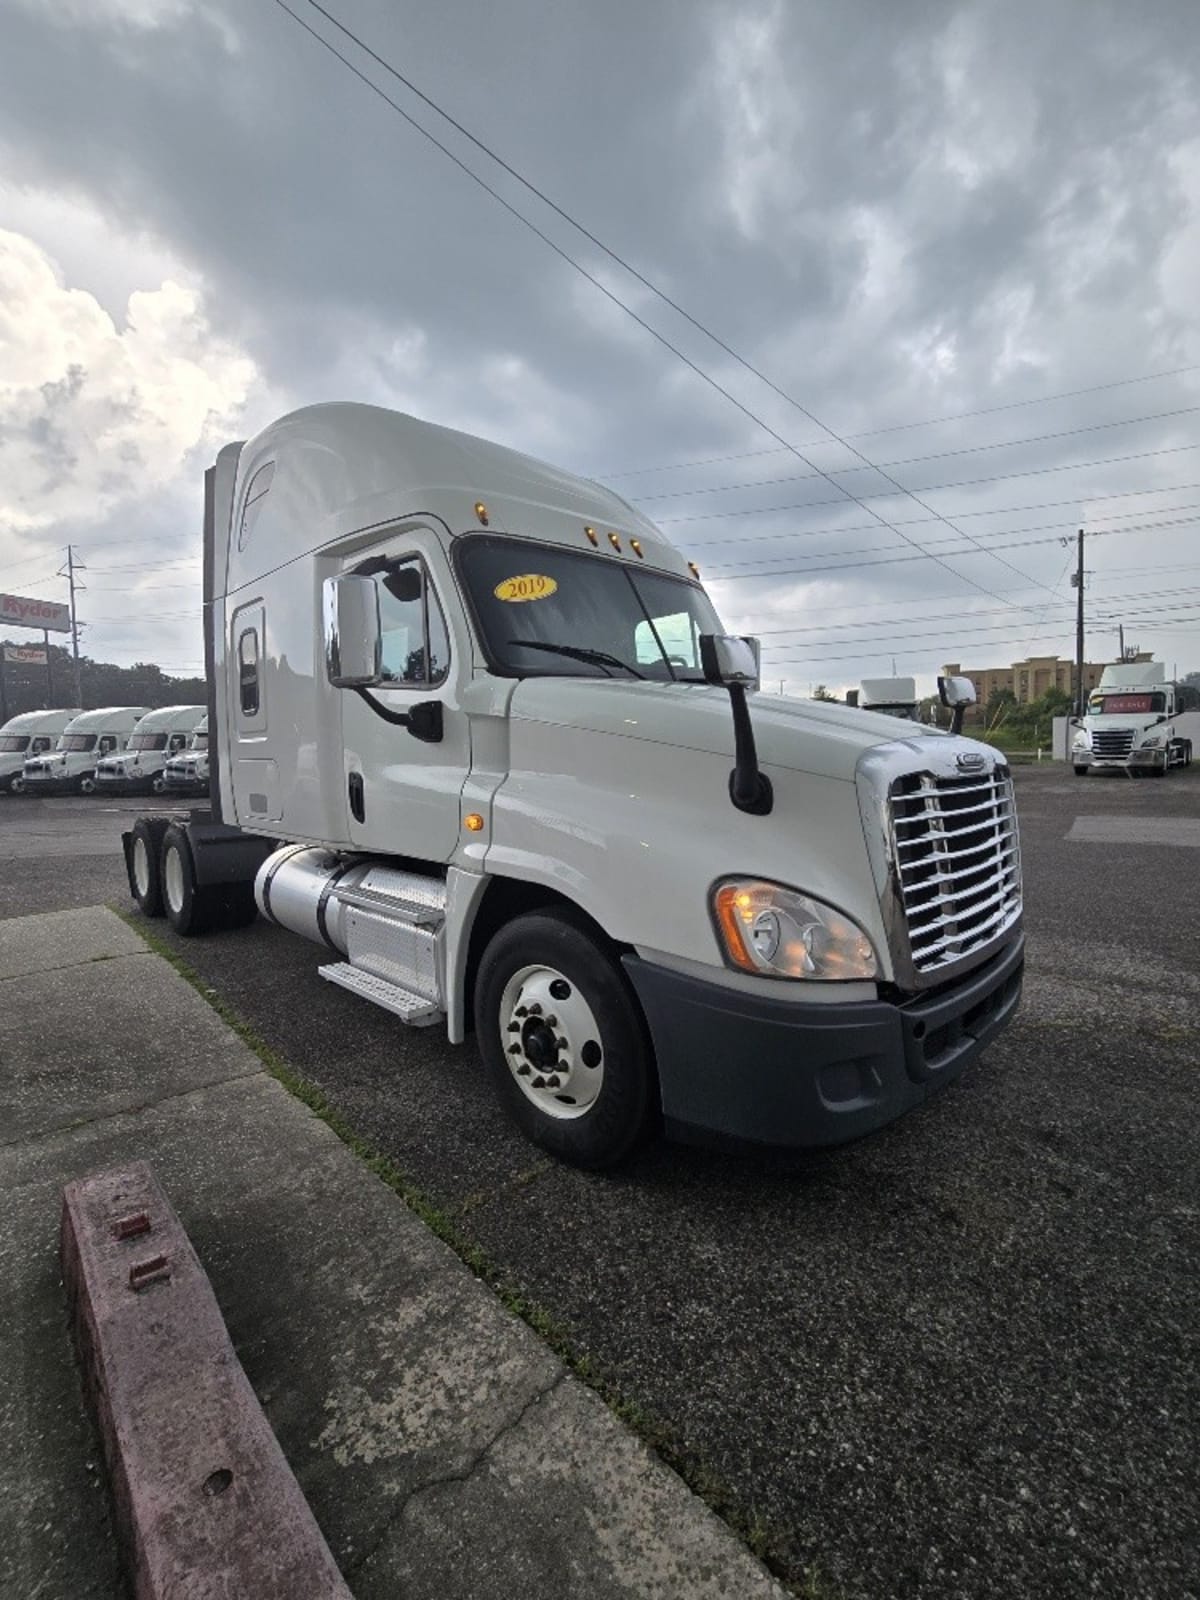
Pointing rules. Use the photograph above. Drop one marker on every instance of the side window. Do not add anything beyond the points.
(39, 745)
(107, 744)
(256, 493)
(416, 644)
(177, 742)
(248, 671)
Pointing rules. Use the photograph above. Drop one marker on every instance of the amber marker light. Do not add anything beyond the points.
(735, 907)
(693, 569)
(636, 547)
(473, 822)
(591, 533)
(614, 541)
(481, 512)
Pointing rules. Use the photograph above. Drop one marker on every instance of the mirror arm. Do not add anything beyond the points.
(956, 720)
(749, 789)
(424, 721)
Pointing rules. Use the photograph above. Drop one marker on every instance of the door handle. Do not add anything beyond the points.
(358, 802)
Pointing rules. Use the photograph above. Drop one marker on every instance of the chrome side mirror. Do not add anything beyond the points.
(730, 661)
(353, 637)
(956, 692)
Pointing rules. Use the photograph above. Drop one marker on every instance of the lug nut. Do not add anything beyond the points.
(535, 1010)
(514, 1049)
(562, 1044)
(552, 1082)
(539, 1083)
(552, 1022)
(514, 1027)
(523, 1070)
(521, 1012)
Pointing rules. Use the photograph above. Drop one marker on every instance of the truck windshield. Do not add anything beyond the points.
(77, 741)
(11, 743)
(1126, 705)
(148, 741)
(542, 610)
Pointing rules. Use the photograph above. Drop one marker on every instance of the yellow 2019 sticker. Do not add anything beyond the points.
(528, 586)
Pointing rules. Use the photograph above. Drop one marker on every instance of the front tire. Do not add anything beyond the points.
(1081, 772)
(16, 784)
(563, 1039)
(87, 784)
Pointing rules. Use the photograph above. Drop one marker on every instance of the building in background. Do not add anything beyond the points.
(1030, 679)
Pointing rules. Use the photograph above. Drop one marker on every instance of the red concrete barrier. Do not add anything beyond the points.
(206, 1504)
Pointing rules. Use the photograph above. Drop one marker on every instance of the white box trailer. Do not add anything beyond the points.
(187, 772)
(70, 768)
(30, 733)
(891, 697)
(1133, 722)
(141, 767)
(475, 728)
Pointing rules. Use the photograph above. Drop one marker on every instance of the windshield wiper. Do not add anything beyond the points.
(598, 658)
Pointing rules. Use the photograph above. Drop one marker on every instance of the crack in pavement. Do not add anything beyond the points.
(463, 1475)
(133, 1110)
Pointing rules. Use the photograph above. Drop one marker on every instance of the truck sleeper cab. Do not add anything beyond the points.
(140, 768)
(1130, 722)
(475, 729)
(27, 735)
(70, 768)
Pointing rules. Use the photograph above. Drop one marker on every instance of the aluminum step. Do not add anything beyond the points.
(398, 908)
(414, 1009)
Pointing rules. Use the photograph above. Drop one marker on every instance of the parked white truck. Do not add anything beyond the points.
(890, 697)
(140, 768)
(475, 727)
(1130, 721)
(187, 772)
(25, 735)
(70, 768)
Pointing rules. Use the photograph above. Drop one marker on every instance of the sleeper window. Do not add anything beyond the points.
(248, 672)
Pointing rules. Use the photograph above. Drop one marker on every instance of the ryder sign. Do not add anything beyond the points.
(23, 613)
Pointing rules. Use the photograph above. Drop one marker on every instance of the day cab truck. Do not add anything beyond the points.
(475, 728)
(28, 734)
(140, 768)
(1130, 724)
(70, 768)
(187, 772)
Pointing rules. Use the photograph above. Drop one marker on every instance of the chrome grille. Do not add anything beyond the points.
(958, 862)
(1112, 742)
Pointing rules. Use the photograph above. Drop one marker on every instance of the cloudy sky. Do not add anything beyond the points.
(960, 243)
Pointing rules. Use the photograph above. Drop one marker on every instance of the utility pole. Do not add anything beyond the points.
(73, 567)
(1121, 636)
(1077, 580)
(49, 669)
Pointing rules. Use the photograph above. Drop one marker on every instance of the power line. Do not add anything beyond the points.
(910, 461)
(591, 277)
(935, 488)
(900, 427)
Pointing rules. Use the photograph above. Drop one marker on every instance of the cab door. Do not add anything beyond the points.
(402, 793)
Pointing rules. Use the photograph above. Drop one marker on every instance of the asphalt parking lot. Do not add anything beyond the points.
(957, 1359)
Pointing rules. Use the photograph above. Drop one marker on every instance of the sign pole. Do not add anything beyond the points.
(3, 690)
(49, 670)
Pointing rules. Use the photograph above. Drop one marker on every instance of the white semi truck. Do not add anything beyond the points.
(140, 768)
(890, 697)
(1130, 722)
(187, 772)
(28, 734)
(476, 729)
(70, 768)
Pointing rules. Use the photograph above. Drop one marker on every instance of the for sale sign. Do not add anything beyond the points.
(17, 611)
(27, 655)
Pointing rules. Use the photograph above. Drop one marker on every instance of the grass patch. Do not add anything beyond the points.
(761, 1537)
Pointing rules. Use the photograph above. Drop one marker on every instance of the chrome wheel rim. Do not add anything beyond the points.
(173, 880)
(551, 1042)
(141, 867)
(17, 786)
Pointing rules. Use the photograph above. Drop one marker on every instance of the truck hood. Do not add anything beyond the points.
(800, 735)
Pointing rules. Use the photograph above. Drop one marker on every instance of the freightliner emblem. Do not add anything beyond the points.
(970, 761)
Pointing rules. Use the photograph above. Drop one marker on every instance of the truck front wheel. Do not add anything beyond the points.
(563, 1039)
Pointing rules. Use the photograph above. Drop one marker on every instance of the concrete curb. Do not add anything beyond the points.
(205, 1502)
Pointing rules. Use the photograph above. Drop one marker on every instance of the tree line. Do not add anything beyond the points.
(28, 687)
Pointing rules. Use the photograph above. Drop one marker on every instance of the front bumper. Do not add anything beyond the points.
(35, 785)
(750, 1069)
(1142, 760)
(138, 784)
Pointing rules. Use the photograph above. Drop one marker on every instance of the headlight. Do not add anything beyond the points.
(778, 933)
(1154, 742)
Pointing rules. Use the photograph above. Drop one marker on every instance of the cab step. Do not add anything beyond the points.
(414, 1009)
